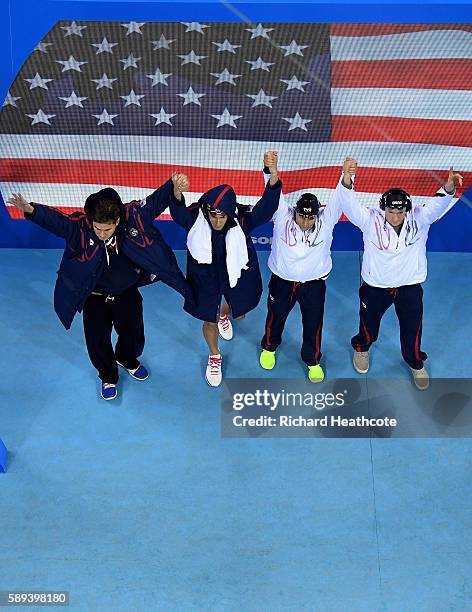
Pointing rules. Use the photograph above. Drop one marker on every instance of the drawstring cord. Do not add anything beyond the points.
(110, 243)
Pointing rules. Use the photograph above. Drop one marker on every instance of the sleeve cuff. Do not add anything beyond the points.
(278, 184)
(175, 201)
(30, 216)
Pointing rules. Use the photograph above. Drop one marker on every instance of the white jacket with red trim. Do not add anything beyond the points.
(392, 260)
(303, 256)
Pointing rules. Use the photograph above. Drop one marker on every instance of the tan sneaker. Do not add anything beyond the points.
(360, 361)
(420, 378)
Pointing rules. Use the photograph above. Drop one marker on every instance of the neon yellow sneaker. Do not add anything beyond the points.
(315, 373)
(267, 359)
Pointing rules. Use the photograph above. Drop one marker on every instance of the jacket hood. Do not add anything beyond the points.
(221, 198)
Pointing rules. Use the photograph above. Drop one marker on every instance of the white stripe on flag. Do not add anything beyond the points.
(236, 155)
(407, 103)
(430, 44)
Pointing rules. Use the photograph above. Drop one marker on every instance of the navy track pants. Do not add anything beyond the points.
(282, 297)
(125, 313)
(408, 302)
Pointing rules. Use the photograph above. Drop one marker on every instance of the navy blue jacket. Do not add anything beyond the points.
(84, 256)
(210, 281)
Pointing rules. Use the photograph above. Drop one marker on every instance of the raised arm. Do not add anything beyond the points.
(265, 208)
(156, 203)
(283, 204)
(46, 217)
(347, 201)
(436, 207)
(178, 210)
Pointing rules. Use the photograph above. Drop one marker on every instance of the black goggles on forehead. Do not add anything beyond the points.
(214, 212)
(400, 206)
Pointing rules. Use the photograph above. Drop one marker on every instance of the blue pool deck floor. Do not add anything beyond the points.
(139, 504)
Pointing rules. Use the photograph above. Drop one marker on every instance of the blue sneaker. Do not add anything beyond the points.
(139, 373)
(109, 391)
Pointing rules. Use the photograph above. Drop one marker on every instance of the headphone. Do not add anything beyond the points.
(395, 194)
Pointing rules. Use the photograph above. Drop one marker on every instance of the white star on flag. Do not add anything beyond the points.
(40, 117)
(104, 46)
(38, 81)
(194, 26)
(261, 98)
(73, 29)
(43, 47)
(260, 64)
(162, 43)
(105, 117)
(297, 122)
(163, 117)
(104, 81)
(71, 64)
(130, 62)
(259, 31)
(226, 118)
(192, 58)
(158, 78)
(132, 98)
(133, 26)
(293, 49)
(191, 97)
(73, 100)
(226, 46)
(225, 77)
(294, 83)
(11, 100)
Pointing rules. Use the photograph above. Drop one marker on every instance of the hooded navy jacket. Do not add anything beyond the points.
(84, 256)
(209, 282)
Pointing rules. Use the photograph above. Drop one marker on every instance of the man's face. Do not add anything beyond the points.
(305, 222)
(104, 231)
(395, 216)
(217, 220)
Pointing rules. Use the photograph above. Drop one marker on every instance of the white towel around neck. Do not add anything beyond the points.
(199, 245)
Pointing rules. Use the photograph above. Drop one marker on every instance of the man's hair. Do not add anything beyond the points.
(106, 211)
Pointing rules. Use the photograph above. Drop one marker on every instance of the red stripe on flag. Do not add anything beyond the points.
(378, 29)
(415, 73)
(244, 182)
(397, 129)
(372, 180)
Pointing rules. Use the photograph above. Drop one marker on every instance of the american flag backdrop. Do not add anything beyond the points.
(126, 104)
